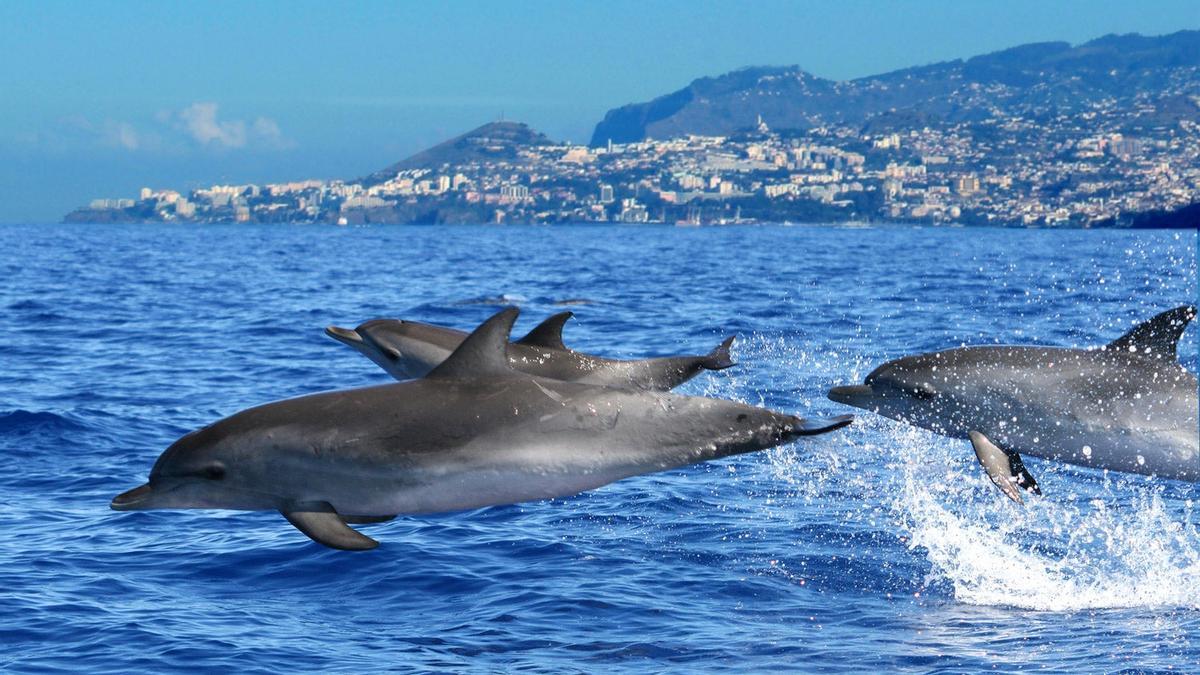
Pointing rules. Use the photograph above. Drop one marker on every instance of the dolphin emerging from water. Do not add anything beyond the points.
(410, 349)
(1128, 406)
(474, 432)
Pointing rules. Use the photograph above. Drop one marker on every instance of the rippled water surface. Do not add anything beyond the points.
(877, 547)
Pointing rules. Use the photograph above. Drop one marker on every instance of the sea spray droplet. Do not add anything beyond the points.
(1087, 451)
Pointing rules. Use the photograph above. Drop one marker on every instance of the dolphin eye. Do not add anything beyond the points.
(214, 472)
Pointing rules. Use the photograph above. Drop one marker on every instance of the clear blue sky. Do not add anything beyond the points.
(101, 98)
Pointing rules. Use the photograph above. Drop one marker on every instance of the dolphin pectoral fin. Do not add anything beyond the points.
(365, 520)
(812, 427)
(1005, 468)
(322, 524)
(1024, 478)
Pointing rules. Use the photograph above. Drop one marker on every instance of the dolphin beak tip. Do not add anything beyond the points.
(853, 394)
(810, 427)
(346, 335)
(131, 500)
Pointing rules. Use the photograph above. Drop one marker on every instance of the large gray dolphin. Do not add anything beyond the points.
(409, 349)
(474, 432)
(1128, 406)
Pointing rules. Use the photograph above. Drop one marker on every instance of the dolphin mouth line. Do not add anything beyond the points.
(344, 335)
(137, 498)
(130, 500)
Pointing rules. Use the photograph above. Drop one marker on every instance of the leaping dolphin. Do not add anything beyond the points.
(410, 349)
(474, 432)
(1128, 406)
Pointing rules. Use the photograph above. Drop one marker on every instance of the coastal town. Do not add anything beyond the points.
(1091, 169)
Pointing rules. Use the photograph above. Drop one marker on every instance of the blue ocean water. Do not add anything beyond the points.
(877, 547)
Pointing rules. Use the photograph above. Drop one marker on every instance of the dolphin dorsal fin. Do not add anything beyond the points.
(484, 352)
(548, 333)
(1158, 336)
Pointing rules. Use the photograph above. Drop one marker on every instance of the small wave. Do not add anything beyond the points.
(43, 318)
(26, 421)
(502, 299)
(28, 305)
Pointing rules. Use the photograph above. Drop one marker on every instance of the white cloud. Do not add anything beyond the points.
(267, 128)
(266, 131)
(200, 121)
(123, 135)
(198, 125)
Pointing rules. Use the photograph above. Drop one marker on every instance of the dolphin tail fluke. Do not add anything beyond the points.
(323, 525)
(822, 425)
(719, 359)
(1004, 468)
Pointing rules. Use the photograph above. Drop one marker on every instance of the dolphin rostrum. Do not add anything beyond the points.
(1128, 406)
(474, 432)
(410, 349)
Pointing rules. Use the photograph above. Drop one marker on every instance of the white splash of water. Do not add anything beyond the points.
(1060, 552)
(1087, 544)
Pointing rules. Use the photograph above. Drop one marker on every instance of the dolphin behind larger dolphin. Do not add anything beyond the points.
(1129, 406)
(410, 349)
(475, 432)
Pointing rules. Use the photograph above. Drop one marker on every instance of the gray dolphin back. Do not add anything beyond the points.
(410, 349)
(1127, 406)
